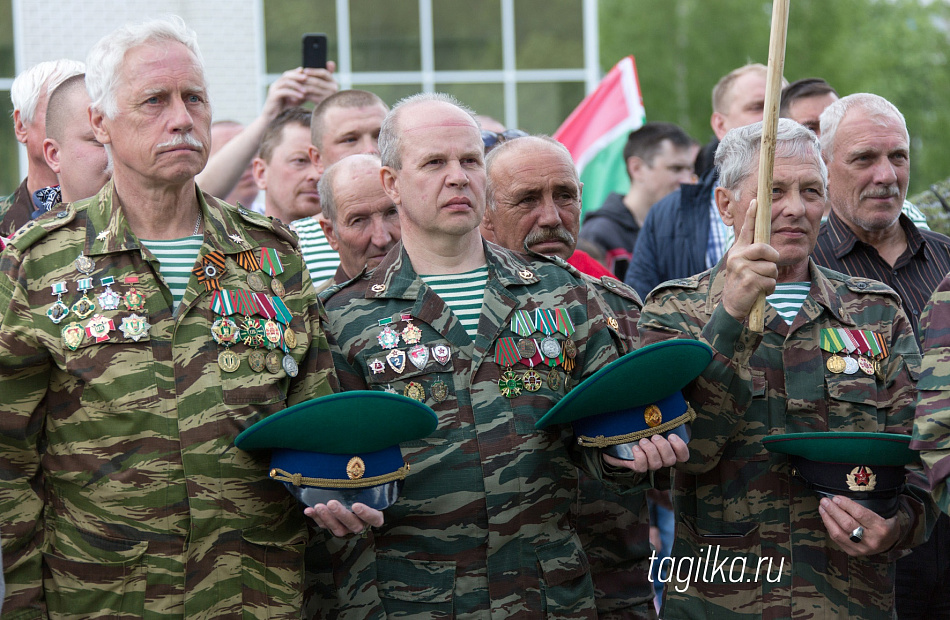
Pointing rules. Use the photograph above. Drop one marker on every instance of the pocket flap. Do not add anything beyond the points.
(415, 581)
(562, 561)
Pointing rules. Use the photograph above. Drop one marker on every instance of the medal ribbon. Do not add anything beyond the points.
(244, 302)
(544, 321)
(270, 262)
(538, 357)
(563, 321)
(247, 261)
(59, 288)
(873, 345)
(85, 284)
(521, 323)
(554, 361)
(221, 303)
(863, 346)
(264, 306)
(283, 312)
(506, 352)
(831, 341)
(849, 342)
(881, 344)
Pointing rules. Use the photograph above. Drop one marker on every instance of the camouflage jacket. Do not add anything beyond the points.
(15, 210)
(121, 491)
(931, 436)
(739, 503)
(484, 526)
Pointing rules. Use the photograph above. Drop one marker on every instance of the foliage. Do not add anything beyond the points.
(895, 48)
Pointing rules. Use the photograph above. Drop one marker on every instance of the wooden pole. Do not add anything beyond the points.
(773, 90)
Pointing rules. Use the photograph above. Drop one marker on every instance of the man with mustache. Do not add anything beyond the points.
(534, 202)
(864, 141)
(133, 352)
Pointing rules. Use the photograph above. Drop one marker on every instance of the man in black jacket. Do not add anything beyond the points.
(659, 157)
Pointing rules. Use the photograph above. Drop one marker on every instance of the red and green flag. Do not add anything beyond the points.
(596, 131)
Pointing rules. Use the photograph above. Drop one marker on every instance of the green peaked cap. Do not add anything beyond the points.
(882, 449)
(639, 378)
(354, 422)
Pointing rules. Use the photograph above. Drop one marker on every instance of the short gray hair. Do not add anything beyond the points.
(389, 138)
(107, 55)
(738, 154)
(27, 88)
(325, 185)
(876, 107)
(521, 142)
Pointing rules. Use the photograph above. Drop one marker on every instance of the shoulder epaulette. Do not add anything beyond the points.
(268, 223)
(866, 285)
(34, 230)
(691, 283)
(617, 287)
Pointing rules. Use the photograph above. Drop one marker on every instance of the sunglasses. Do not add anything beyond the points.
(493, 138)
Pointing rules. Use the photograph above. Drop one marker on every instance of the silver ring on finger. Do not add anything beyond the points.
(857, 534)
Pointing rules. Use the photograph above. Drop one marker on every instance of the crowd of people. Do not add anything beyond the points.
(155, 305)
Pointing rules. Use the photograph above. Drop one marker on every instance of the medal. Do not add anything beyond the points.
(58, 311)
(290, 366)
(567, 363)
(108, 299)
(133, 299)
(527, 348)
(228, 361)
(563, 322)
(272, 333)
(510, 384)
(387, 338)
(441, 353)
(225, 331)
(850, 365)
(73, 335)
(377, 366)
(411, 334)
(419, 356)
(273, 361)
(277, 288)
(878, 369)
(439, 390)
(396, 360)
(545, 322)
(99, 327)
(570, 349)
(252, 332)
(84, 306)
(866, 365)
(568, 384)
(134, 327)
(532, 380)
(246, 259)
(835, 364)
(255, 359)
(415, 391)
(84, 264)
(211, 269)
(255, 282)
(270, 262)
(554, 380)
(290, 338)
(550, 348)
(522, 324)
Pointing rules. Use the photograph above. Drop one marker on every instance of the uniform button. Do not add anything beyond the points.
(740, 347)
(62, 214)
(378, 288)
(862, 285)
(610, 284)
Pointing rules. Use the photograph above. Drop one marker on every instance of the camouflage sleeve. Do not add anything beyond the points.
(932, 419)
(24, 379)
(722, 393)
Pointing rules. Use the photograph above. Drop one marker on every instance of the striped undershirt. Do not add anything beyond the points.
(176, 259)
(321, 259)
(788, 299)
(463, 293)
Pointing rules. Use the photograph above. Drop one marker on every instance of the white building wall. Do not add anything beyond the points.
(230, 35)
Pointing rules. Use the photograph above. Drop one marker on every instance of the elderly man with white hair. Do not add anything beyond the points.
(142, 330)
(793, 551)
(30, 94)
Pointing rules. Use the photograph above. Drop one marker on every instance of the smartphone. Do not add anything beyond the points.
(315, 50)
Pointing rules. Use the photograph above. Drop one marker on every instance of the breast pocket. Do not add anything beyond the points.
(118, 374)
(428, 380)
(410, 587)
(853, 402)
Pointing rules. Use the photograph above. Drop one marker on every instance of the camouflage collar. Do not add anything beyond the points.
(395, 277)
(823, 294)
(109, 230)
